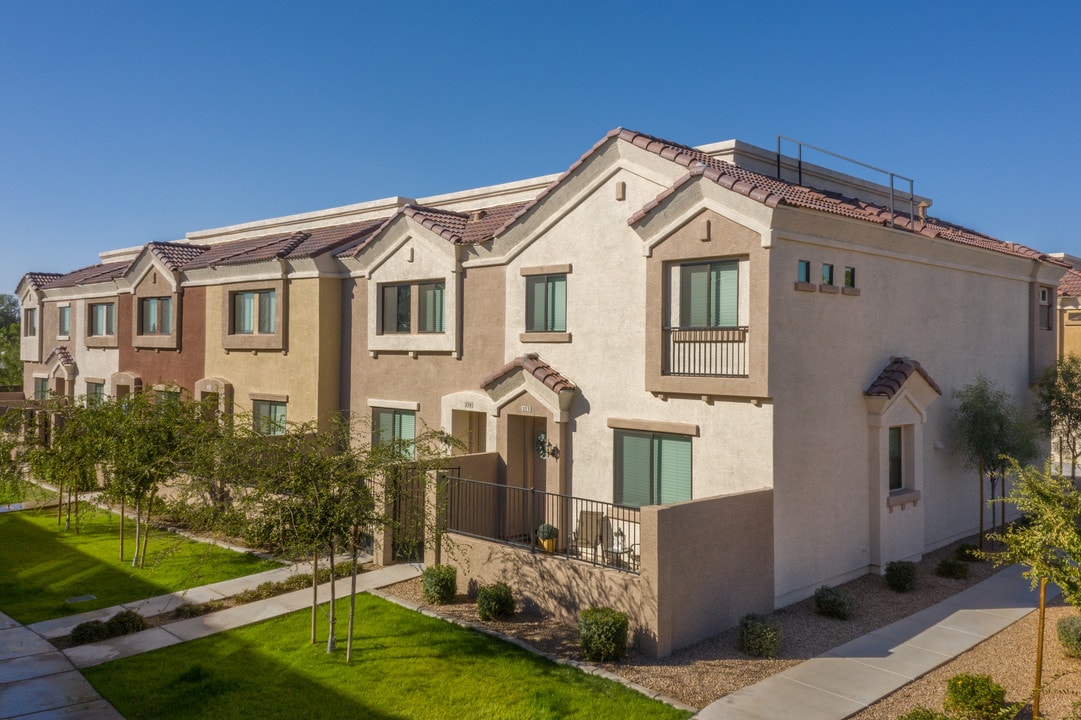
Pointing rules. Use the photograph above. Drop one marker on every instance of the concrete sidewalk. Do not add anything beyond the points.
(39, 682)
(852, 676)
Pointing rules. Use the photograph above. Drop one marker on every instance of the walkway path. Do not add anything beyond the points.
(39, 682)
(852, 676)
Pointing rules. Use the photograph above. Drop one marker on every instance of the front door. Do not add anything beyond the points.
(526, 470)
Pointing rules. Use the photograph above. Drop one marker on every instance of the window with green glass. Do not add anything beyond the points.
(41, 388)
(709, 295)
(803, 271)
(268, 417)
(63, 321)
(394, 426)
(850, 277)
(95, 394)
(431, 307)
(156, 316)
(546, 303)
(651, 468)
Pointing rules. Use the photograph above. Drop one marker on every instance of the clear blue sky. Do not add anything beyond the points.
(126, 122)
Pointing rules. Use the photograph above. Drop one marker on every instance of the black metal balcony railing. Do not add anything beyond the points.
(715, 352)
(589, 530)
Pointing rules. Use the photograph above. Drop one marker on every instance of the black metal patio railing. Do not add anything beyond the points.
(715, 352)
(592, 531)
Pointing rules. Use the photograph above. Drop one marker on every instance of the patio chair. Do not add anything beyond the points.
(588, 536)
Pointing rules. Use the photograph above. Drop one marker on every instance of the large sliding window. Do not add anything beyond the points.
(394, 426)
(255, 312)
(156, 316)
(546, 303)
(709, 295)
(399, 315)
(651, 468)
(268, 417)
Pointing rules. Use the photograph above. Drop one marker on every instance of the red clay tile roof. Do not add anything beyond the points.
(536, 367)
(465, 227)
(304, 244)
(60, 352)
(1070, 284)
(38, 280)
(176, 255)
(89, 275)
(896, 374)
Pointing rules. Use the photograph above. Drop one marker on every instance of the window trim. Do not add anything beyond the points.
(414, 299)
(30, 322)
(551, 282)
(62, 311)
(276, 340)
(101, 340)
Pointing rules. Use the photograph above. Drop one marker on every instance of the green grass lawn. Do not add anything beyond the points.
(405, 665)
(44, 565)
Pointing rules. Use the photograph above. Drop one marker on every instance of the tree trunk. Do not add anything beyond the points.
(146, 529)
(352, 600)
(77, 508)
(60, 505)
(67, 520)
(138, 528)
(979, 540)
(315, 589)
(1039, 651)
(330, 637)
(122, 528)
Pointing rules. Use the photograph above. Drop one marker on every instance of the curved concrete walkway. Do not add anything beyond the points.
(39, 682)
(848, 678)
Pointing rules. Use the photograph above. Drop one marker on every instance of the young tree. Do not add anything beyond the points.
(1059, 407)
(11, 366)
(990, 429)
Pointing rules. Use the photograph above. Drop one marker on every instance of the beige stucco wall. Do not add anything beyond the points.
(916, 300)
(306, 370)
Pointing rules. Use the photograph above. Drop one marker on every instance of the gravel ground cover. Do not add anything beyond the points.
(699, 674)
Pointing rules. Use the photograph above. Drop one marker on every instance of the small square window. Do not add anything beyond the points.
(803, 272)
(850, 277)
(268, 417)
(827, 274)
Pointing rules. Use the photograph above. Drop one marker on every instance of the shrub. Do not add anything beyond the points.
(974, 697)
(125, 623)
(547, 532)
(759, 636)
(495, 602)
(602, 632)
(88, 632)
(189, 610)
(833, 602)
(439, 583)
(1069, 634)
(901, 576)
(953, 569)
(922, 713)
(966, 552)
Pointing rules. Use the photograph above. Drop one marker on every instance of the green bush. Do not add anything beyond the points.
(189, 610)
(1069, 634)
(759, 636)
(901, 576)
(547, 532)
(89, 631)
(922, 713)
(125, 623)
(439, 584)
(974, 697)
(495, 602)
(602, 633)
(966, 552)
(833, 602)
(953, 569)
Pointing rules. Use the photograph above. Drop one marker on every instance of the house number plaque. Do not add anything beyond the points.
(527, 408)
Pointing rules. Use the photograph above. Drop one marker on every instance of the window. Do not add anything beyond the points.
(850, 277)
(897, 479)
(95, 394)
(803, 273)
(1046, 314)
(394, 426)
(255, 312)
(431, 307)
(156, 316)
(651, 468)
(396, 308)
(63, 321)
(709, 295)
(101, 319)
(41, 388)
(268, 417)
(546, 303)
(166, 397)
(30, 322)
(827, 274)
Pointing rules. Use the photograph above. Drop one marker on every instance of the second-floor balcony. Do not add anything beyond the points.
(706, 351)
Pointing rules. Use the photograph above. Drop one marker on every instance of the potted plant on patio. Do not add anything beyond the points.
(547, 535)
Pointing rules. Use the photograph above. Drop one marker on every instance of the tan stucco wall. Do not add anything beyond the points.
(306, 370)
(916, 300)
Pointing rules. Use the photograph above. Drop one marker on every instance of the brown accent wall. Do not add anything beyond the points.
(182, 366)
(727, 239)
(704, 564)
